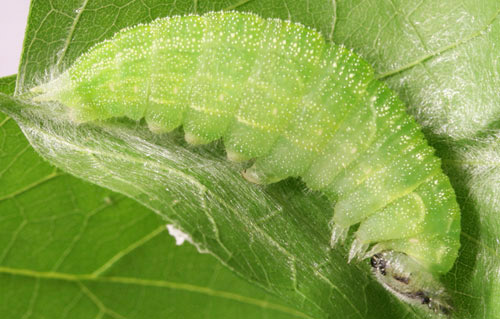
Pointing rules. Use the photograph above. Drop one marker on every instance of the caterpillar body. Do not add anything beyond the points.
(278, 94)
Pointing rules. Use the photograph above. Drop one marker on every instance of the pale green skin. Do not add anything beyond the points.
(276, 92)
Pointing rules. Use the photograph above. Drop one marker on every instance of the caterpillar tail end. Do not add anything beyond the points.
(411, 282)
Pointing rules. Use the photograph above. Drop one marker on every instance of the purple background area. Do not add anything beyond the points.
(13, 17)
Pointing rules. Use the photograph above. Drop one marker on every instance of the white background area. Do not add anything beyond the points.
(13, 17)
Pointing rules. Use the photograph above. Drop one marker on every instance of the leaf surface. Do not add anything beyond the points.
(441, 59)
(71, 249)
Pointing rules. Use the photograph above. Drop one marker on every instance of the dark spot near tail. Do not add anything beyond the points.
(424, 298)
(382, 270)
(445, 310)
(404, 280)
(378, 263)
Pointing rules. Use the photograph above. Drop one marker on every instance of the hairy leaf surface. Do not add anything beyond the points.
(441, 59)
(76, 247)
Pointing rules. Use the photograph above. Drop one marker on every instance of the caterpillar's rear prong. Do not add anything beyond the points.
(338, 234)
(358, 250)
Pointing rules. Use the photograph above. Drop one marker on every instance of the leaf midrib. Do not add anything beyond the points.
(439, 51)
(71, 32)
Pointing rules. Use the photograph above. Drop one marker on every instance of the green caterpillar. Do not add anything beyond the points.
(276, 93)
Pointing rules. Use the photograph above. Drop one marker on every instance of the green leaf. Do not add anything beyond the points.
(440, 57)
(71, 249)
(264, 234)
(276, 236)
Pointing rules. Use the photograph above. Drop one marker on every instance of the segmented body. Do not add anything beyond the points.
(276, 92)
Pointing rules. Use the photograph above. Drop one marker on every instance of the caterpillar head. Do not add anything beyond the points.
(410, 281)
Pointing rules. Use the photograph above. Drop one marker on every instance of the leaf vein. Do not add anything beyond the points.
(79, 278)
(78, 236)
(439, 51)
(118, 256)
(236, 5)
(100, 305)
(31, 186)
(72, 29)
